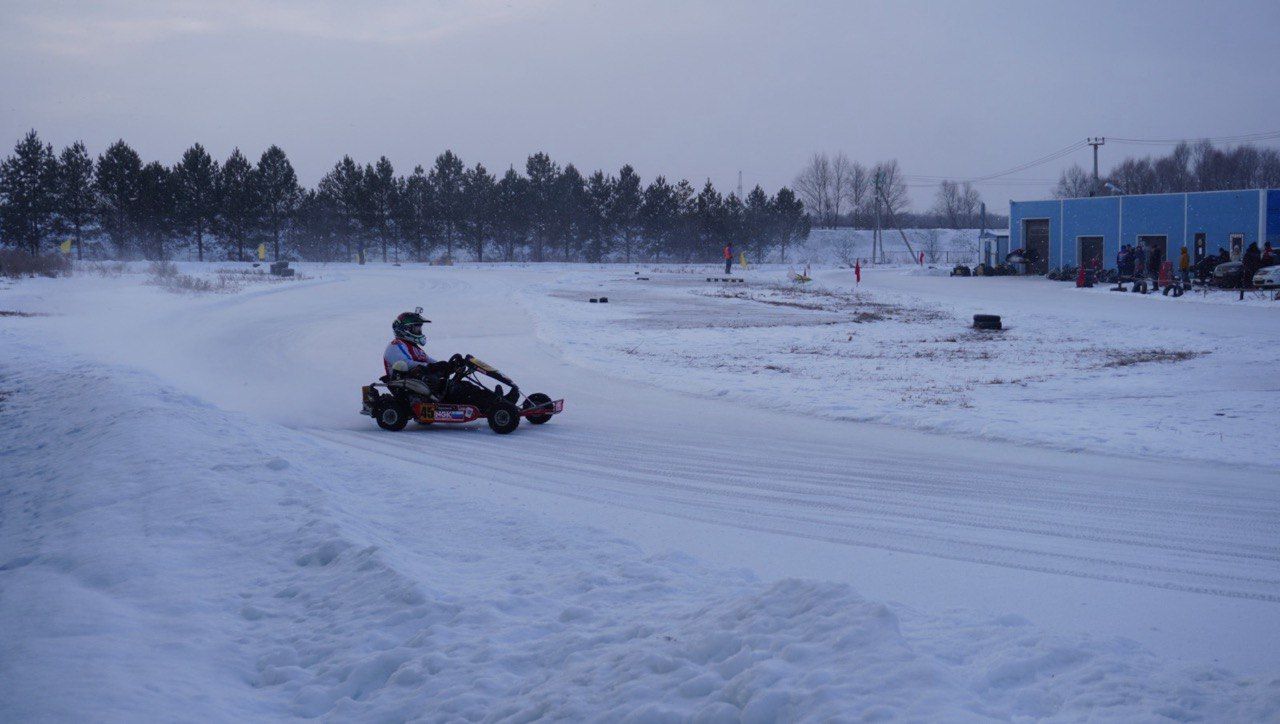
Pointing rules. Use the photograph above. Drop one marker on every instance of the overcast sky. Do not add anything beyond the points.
(688, 89)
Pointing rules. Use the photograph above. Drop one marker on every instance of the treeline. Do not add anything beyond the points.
(1188, 167)
(118, 206)
(841, 192)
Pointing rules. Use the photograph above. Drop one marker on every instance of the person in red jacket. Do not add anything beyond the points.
(728, 257)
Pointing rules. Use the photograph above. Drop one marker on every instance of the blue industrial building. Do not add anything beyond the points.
(1065, 232)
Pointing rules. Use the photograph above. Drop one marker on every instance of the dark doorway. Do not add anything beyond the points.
(1200, 246)
(1090, 251)
(1035, 241)
(1155, 248)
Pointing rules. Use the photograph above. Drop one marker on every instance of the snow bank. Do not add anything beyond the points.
(841, 246)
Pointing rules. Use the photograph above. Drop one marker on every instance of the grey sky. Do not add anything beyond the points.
(689, 89)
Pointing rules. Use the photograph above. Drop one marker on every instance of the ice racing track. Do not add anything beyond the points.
(1075, 541)
(925, 520)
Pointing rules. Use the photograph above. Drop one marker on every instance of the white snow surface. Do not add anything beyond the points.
(195, 524)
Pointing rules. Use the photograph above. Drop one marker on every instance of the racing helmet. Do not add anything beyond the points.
(408, 326)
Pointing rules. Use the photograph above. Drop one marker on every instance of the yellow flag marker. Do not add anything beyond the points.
(65, 246)
(262, 252)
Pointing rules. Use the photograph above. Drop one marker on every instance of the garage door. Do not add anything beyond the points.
(1035, 238)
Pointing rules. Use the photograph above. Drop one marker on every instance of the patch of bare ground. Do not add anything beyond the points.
(13, 313)
(1129, 358)
(825, 300)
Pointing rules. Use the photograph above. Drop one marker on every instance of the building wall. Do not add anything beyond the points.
(1097, 216)
(1020, 211)
(1221, 214)
(1177, 217)
(1273, 218)
(1160, 215)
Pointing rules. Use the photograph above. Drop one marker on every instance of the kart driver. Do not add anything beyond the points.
(405, 354)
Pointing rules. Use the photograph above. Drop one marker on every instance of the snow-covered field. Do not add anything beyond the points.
(762, 503)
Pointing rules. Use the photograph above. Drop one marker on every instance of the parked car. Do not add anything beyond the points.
(1267, 277)
(1227, 275)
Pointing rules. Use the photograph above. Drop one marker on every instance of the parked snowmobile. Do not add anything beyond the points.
(457, 397)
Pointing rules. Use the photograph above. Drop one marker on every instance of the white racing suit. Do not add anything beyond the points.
(411, 354)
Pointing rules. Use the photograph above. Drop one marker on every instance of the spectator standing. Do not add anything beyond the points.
(1184, 266)
(728, 257)
(1252, 262)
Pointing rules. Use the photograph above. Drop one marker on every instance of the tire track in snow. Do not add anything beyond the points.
(624, 482)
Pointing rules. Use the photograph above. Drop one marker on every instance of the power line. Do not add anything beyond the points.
(1241, 138)
(1065, 151)
(923, 180)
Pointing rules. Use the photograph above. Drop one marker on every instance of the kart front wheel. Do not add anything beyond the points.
(503, 418)
(391, 413)
(534, 400)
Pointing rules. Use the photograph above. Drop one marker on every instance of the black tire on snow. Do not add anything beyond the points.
(986, 321)
(504, 418)
(391, 413)
(534, 400)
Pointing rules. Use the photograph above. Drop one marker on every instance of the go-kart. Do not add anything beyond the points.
(456, 397)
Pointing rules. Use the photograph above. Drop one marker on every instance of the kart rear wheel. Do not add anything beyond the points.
(391, 414)
(504, 418)
(534, 400)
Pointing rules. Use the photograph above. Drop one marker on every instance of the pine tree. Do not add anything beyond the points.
(414, 214)
(570, 202)
(195, 185)
(75, 193)
(477, 191)
(543, 185)
(708, 209)
(757, 224)
(155, 210)
(316, 231)
(684, 239)
(341, 188)
(378, 202)
(511, 212)
(240, 205)
(733, 222)
(598, 213)
(791, 224)
(659, 216)
(446, 188)
(280, 193)
(117, 181)
(624, 214)
(28, 193)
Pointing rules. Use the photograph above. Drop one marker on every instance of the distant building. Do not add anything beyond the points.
(993, 247)
(1065, 232)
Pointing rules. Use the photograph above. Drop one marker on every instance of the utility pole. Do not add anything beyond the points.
(739, 184)
(1095, 142)
(875, 238)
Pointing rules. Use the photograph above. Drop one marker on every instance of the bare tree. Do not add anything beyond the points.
(930, 241)
(841, 171)
(814, 186)
(947, 203)
(858, 190)
(1074, 183)
(890, 187)
(970, 204)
